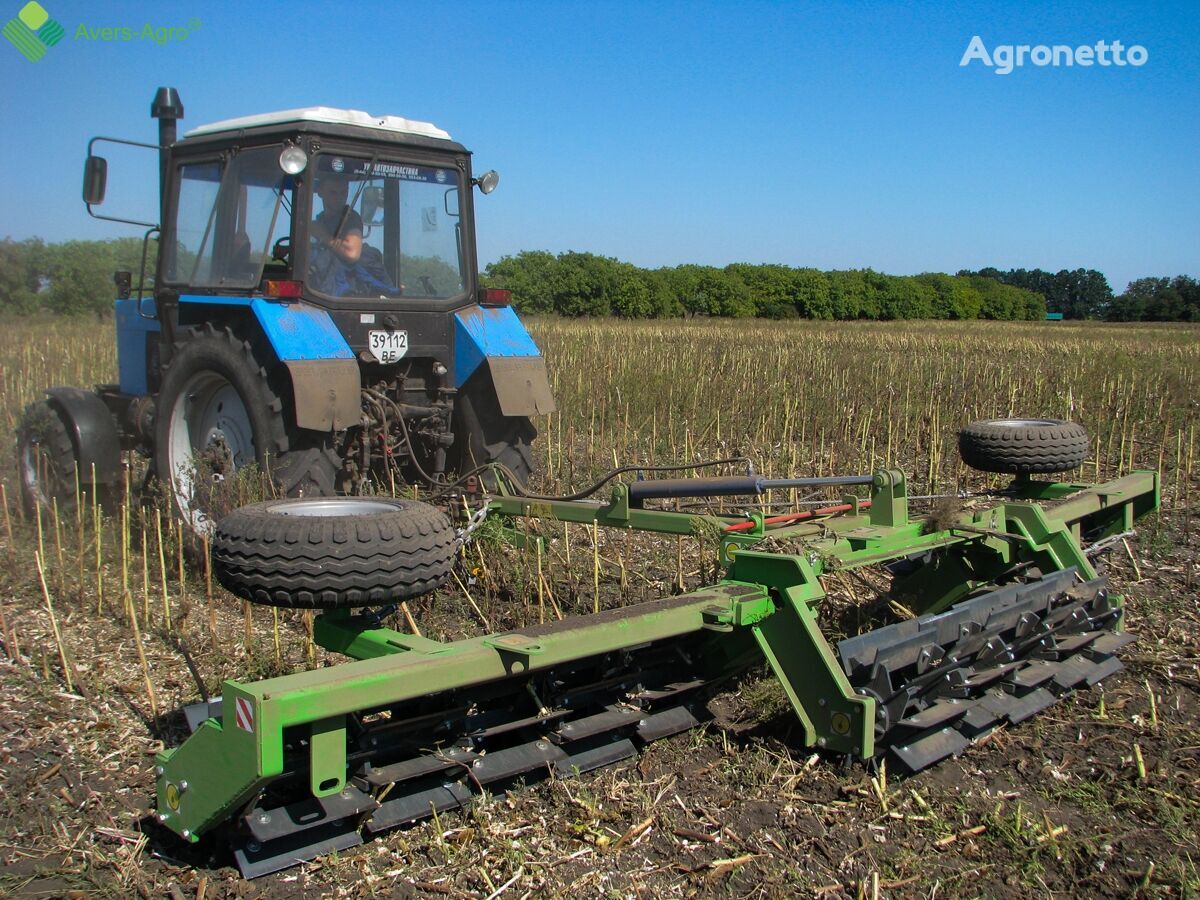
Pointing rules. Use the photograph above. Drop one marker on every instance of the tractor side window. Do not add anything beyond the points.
(227, 222)
(264, 212)
(191, 261)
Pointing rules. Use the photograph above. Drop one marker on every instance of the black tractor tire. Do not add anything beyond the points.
(46, 461)
(333, 553)
(219, 403)
(1023, 446)
(483, 434)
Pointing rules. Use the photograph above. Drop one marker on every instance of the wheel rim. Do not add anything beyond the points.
(323, 507)
(210, 437)
(1023, 423)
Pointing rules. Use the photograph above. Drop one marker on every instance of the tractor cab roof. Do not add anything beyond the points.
(325, 120)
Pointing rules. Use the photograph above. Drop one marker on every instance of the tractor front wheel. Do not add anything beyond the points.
(219, 413)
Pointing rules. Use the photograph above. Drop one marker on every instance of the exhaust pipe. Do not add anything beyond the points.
(167, 108)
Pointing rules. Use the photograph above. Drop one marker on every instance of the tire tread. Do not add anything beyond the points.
(331, 562)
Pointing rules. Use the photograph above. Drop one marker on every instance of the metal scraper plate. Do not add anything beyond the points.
(925, 751)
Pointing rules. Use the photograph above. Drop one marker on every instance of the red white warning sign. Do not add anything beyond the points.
(244, 714)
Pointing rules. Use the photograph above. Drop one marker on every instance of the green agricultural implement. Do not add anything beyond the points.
(1008, 615)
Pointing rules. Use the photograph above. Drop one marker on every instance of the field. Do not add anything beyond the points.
(105, 631)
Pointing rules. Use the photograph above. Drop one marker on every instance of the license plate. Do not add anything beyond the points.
(388, 346)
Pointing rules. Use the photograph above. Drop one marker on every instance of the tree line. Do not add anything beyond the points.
(584, 284)
(1085, 294)
(75, 277)
(71, 277)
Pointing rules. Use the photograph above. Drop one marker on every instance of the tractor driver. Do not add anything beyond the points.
(341, 264)
(338, 227)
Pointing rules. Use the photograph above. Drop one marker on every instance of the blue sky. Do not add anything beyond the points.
(835, 136)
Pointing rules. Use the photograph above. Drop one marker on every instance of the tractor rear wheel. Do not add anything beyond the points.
(46, 460)
(483, 434)
(219, 413)
(333, 552)
(1023, 446)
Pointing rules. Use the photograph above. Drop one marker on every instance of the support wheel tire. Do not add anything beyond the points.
(1023, 446)
(219, 412)
(333, 553)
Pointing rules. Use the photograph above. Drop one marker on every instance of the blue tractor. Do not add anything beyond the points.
(315, 311)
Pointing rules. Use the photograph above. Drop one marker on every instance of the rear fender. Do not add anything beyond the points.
(326, 380)
(93, 432)
(496, 338)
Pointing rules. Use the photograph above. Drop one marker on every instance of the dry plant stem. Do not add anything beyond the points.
(8, 530)
(248, 627)
(596, 567)
(99, 547)
(162, 572)
(58, 546)
(208, 595)
(183, 602)
(310, 648)
(275, 633)
(137, 642)
(408, 617)
(471, 600)
(4, 633)
(79, 556)
(37, 515)
(540, 595)
(1136, 568)
(126, 596)
(145, 578)
(544, 587)
(62, 651)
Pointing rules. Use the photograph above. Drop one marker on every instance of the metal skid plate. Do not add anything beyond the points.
(942, 681)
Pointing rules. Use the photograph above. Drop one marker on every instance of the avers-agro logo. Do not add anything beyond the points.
(33, 31)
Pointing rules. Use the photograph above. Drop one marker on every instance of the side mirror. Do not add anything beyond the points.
(124, 281)
(95, 180)
(372, 206)
(450, 202)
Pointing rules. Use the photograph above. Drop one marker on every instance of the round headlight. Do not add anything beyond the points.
(488, 181)
(293, 160)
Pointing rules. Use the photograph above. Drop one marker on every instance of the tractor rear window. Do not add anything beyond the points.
(383, 228)
(228, 218)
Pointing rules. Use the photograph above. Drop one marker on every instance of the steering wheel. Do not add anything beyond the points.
(282, 249)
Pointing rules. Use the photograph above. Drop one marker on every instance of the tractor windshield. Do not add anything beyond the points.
(228, 216)
(382, 228)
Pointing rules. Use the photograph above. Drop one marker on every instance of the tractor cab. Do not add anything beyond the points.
(335, 206)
